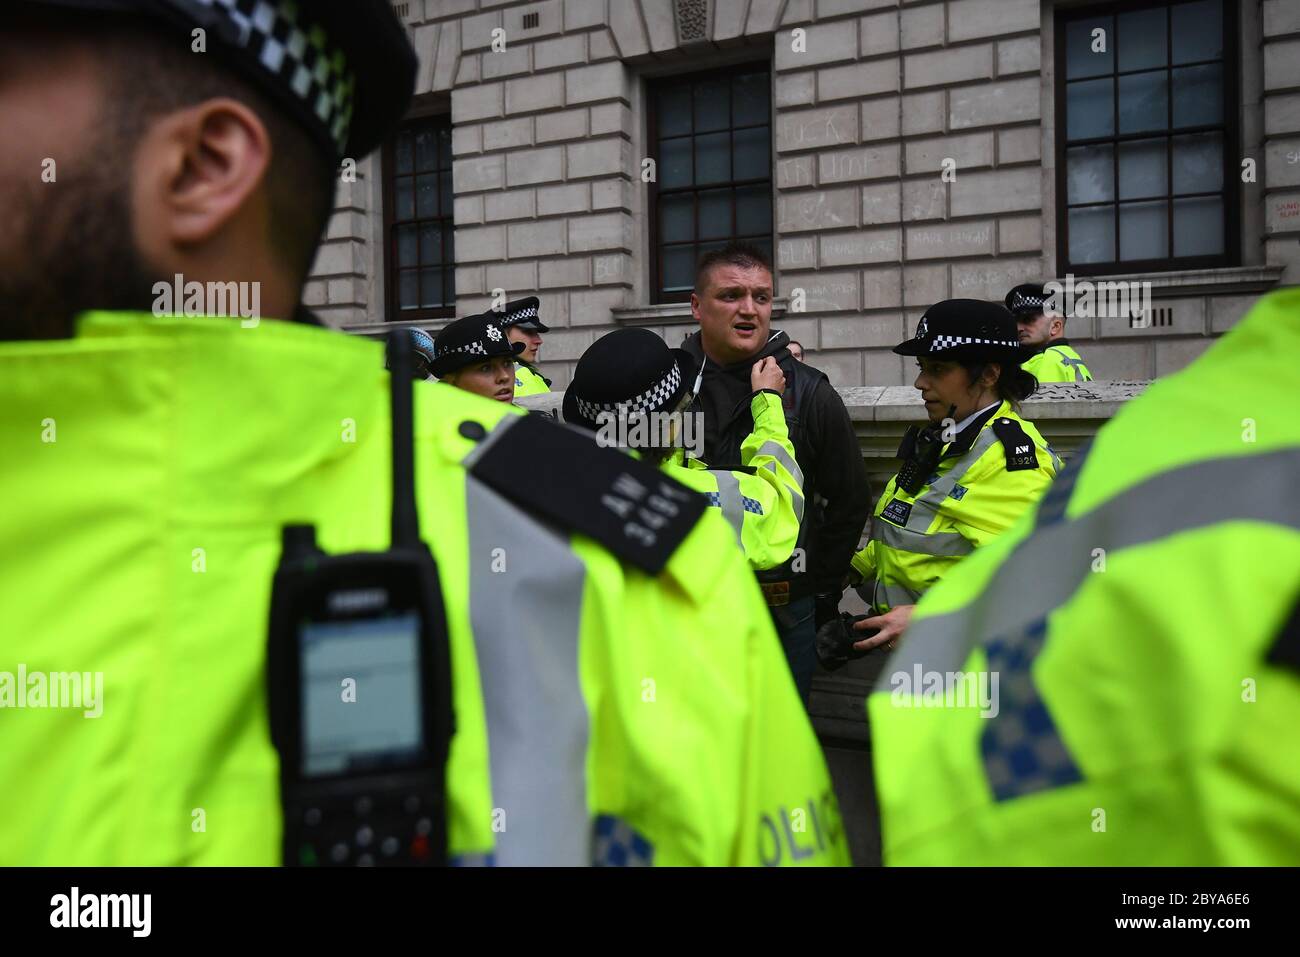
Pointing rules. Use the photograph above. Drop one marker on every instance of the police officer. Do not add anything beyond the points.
(967, 476)
(151, 463)
(523, 324)
(474, 354)
(629, 381)
(1042, 332)
(1144, 626)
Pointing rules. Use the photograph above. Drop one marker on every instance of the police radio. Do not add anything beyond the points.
(920, 451)
(359, 683)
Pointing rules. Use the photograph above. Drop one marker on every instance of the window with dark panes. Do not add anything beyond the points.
(711, 139)
(1146, 140)
(418, 220)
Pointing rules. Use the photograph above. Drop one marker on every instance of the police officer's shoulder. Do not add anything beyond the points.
(1018, 447)
(631, 508)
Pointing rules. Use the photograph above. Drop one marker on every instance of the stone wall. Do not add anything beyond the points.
(869, 100)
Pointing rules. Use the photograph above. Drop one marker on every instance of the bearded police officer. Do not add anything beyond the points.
(152, 462)
(522, 323)
(967, 475)
(1042, 332)
(632, 390)
(1143, 625)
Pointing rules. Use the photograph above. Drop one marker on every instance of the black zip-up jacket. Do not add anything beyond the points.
(837, 499)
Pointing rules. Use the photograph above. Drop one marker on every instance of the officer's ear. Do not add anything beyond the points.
(199, 170)
(989, 375)
(1055, 326)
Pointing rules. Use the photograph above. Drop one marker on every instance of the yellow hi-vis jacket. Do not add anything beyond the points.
(528, 381)
(149, 466)
(762, 502)
(979, 489)
(1143, 627)
(1058, 363)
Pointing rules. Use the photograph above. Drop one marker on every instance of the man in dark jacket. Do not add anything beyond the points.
(732, 302)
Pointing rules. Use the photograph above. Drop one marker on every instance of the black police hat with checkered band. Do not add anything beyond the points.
(524, 313)
(627, 371)
(966, 329)
(470, 340)
(1027, 299)
(343, 68)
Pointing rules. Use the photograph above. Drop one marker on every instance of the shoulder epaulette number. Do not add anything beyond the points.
(630, 507)
(1019, 448)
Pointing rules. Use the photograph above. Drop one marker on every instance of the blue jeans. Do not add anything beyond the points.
(798, 632)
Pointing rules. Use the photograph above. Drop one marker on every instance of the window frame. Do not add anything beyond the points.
(657, 297)
(393, 311)
(1231, 127)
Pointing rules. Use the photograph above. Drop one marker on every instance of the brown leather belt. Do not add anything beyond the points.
(776, 593)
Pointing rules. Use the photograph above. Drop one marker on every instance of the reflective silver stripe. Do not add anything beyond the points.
(892, 595)
(781, 455)
(1046, 569)
(943, 544)
(733, 507)
(526, 612)
(795, 497)
(1074, 365)
(925, 507)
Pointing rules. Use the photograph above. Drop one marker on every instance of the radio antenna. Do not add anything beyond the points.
(406, 524)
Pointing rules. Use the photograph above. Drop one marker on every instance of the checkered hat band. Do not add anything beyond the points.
(474, 348)
(651, 399)
(519, 315)
(1025, 301)
(297, 54)
(947, 342)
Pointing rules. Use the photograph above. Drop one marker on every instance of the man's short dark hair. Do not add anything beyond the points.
(742, 255)
(794, 342)
(155, 72)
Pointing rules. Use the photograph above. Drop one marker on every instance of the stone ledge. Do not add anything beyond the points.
(1228, 279)
(1054, 400)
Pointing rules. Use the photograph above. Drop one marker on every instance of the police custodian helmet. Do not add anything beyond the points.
(344, 68)
(966, 329)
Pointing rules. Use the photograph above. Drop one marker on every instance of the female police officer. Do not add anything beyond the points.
(475, 355)
(967, 476)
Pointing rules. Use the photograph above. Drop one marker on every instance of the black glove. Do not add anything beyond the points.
(835, 641)
(825, 608)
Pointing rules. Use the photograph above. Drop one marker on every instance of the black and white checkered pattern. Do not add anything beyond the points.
(520, 315)
(1024, 302)
(474, 348)
(947, 342)
(298, 54)
(651, 400)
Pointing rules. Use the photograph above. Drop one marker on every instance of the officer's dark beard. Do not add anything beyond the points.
(75, 247)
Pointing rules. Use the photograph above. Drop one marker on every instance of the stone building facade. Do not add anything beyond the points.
(916, 151)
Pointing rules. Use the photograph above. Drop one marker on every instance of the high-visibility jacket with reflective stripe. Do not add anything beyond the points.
(1130, 621)
(528, 382)
(1058, 363)
(969, 501)
(763, 509)
(149, 465)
